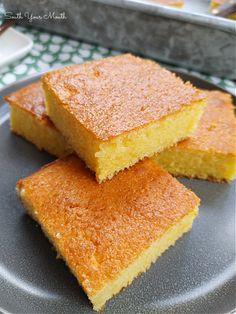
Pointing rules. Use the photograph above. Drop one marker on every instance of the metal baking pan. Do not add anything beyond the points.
(190, 37)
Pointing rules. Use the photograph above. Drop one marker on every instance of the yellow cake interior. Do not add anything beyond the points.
(106, 158)
(201, 164)
(141, 263)
(210, 151)
(38, 131)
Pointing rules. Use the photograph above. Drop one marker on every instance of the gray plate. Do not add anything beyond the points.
(197, 275)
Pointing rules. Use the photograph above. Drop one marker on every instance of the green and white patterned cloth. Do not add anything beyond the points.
(53, 51)
(48, 52)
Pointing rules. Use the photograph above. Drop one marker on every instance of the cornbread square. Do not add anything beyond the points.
(108, 233)
(173, 3)
(210, 152)
(118, 110)
(28, 118)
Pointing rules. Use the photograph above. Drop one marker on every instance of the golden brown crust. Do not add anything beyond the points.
(99, 229)
(118, 94)
(216, 129)
(31, 99)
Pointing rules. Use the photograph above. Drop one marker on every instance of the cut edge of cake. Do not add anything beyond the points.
(200, 165)
(43, 135)
(210, 152)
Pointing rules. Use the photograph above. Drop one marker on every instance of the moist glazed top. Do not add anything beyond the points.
(99, 229)
(117, 94)
(216, 130)
(31, 99)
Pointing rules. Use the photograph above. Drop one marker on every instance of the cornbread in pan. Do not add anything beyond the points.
(108, 233)
(215, 3)
(118, 110)
(28, 118)
(210, 152)
(173, 3)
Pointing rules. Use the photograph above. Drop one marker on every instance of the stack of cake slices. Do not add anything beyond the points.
(108, 204)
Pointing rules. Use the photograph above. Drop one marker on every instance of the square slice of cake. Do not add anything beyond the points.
(28, 118)
(210, 152)
(108, 233)
(118, 110)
